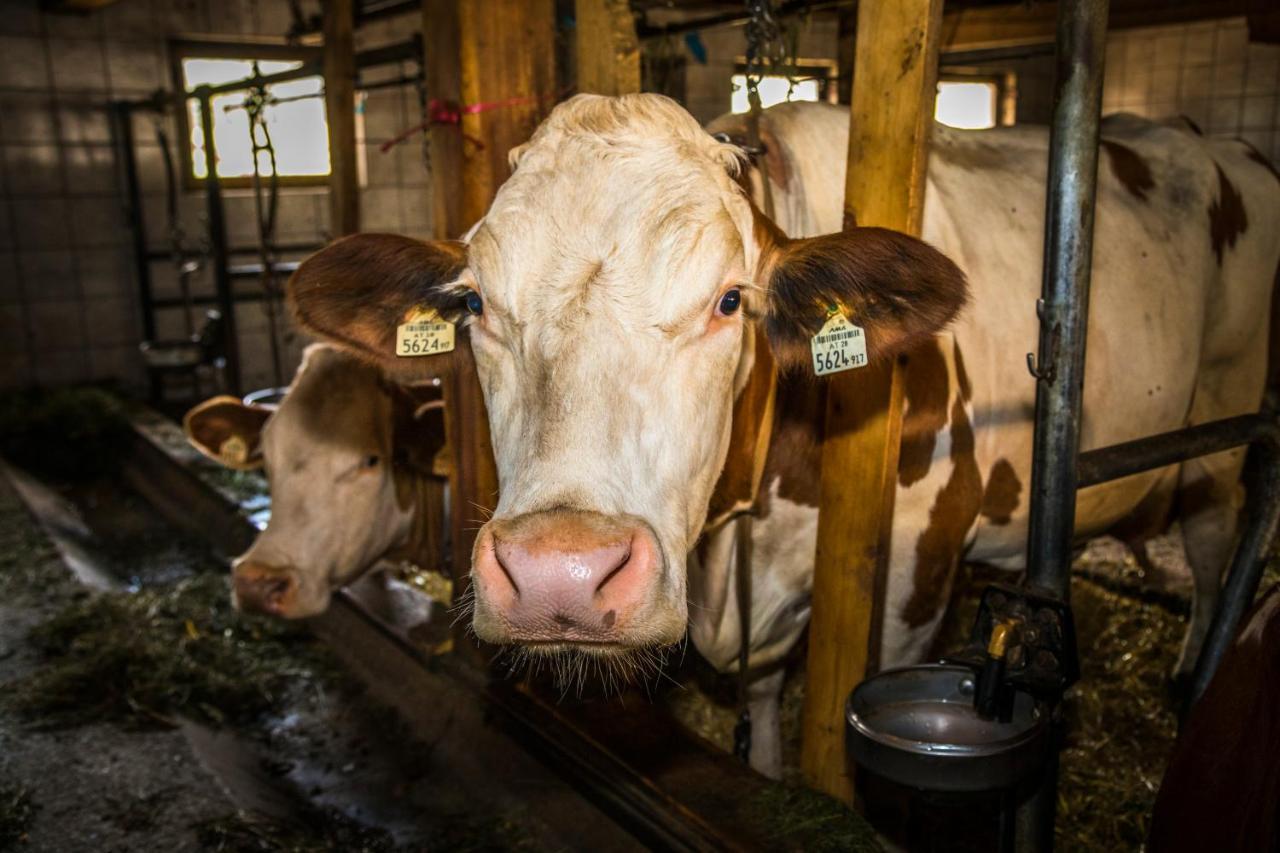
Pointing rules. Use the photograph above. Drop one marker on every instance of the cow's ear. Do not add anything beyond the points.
(900, 290)
(225, 429)
(357, 291)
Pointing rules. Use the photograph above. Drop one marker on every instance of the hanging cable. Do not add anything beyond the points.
(265, 213)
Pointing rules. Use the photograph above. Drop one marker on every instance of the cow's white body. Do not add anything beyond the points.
(1175, 338)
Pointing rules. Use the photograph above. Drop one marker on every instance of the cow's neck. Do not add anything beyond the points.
(740, 483)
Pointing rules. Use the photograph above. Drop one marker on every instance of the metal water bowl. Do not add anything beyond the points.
(917, 726)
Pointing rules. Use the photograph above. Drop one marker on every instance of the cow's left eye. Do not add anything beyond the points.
(371, 461)
(474, 303)
(731, 301)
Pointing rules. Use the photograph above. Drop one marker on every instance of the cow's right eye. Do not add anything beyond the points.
(475, 305)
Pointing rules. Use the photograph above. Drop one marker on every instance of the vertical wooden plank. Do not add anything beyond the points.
(608, 49)
(507, 53)
(444, 86)
(894, 80)
(339, 99)
(492, 61)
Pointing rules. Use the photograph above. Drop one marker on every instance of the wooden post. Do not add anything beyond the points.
(444, 86)
(608, 50)
(340, 110)
(507, 54)
(894, 82)
(493, 62)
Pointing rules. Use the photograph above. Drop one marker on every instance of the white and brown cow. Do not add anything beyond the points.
(351, 462)
(623, 296)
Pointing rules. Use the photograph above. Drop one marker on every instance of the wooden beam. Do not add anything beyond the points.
(507, 53)
(1015, 24)
(894, 79)
(608, 54)
(340, 109)
(493, 63)
(443, 71)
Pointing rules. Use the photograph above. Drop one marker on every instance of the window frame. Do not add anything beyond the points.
(1006, 88)
(240, 48)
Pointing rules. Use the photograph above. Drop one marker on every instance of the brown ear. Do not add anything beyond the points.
(228, 431)
(899, 289)
(356, 291)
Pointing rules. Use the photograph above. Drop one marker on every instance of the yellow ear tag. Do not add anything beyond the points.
(839, 345)
(424, 332)
(234, 450)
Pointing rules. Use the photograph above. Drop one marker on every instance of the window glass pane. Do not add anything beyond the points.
(297, 127)
(971, 106)
(773, 90)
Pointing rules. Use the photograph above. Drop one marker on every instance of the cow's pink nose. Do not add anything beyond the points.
(562, 576)
(259, 588)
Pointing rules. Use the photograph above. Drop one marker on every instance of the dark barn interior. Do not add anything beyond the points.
(248, 263)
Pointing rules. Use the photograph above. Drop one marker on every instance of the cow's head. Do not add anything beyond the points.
(612, 296)
(344, 453)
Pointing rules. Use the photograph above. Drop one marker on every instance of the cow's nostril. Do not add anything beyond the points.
(502, 564)
(612, 573)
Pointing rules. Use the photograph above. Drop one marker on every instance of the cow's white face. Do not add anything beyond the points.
(603, 291)
(613, 275)
(338, 500)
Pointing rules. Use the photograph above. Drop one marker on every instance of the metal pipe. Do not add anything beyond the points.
(1064, 306)
(122, 133)
(1263, 510)
(1145, 454)
(218, 242)
(1064, 312)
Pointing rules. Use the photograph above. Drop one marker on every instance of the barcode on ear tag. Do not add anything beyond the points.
(839, 345)
(424, 332)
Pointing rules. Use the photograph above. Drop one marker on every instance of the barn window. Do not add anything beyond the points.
(294, 115)
(968, 104)
(810, 80)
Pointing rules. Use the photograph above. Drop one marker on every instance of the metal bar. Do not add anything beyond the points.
(1252, 553)
(309, 68)
(153, 255)
(410, 49)
(735, 19)
(1145, 454)
(122, 133)
(1064, 306)
(218, 242)
(1064, 311)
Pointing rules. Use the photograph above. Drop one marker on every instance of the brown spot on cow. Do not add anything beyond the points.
(1001, 496)
(1227, 218)
(953, 513)
(795, 453)
(927, 388)
(1129, 168)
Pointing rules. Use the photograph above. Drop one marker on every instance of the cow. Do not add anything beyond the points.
(1221, 790)
(351, 462)
(626, 300)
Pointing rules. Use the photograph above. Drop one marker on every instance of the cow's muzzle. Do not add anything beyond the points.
(260, 588)
(566, 577)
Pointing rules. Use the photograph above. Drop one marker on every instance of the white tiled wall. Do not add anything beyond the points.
(1209, 72)
(68, 295)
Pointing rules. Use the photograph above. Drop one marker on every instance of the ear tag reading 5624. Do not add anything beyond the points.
(424, 332)
(839, 345)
